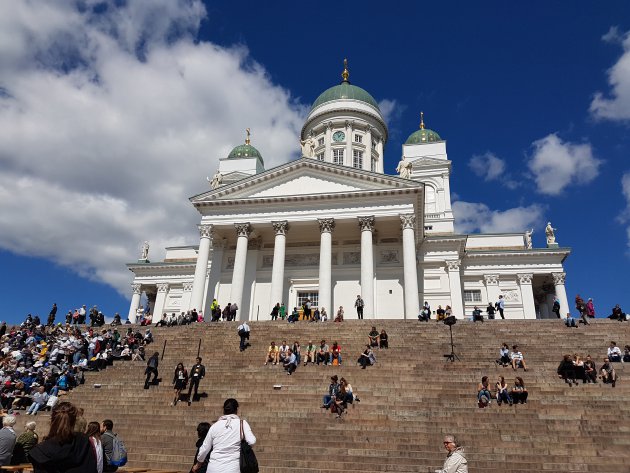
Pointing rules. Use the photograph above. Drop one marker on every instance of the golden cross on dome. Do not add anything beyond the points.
(422, 120)
(247, 141)
(345, 74)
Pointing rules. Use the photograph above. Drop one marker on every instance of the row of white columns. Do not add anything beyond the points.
(326, 227)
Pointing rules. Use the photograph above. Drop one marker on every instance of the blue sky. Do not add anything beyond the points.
(113, 113)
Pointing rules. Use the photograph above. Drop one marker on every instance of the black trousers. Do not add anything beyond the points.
(360, 313)
(151, 371)
(194, 382)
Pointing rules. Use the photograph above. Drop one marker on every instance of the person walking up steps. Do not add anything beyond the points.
(197, 373)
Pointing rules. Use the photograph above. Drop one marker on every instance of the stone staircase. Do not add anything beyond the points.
(409, 399)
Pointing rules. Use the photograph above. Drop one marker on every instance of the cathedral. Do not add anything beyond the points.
(332, 225)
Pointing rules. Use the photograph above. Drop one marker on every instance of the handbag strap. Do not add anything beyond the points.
(241, 430)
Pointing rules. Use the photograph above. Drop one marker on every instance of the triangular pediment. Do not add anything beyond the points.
(428, 161)
(306, 177)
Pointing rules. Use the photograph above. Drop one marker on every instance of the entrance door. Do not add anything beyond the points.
(303, 296)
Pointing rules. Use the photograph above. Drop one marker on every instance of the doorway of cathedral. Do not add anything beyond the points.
(303, 296)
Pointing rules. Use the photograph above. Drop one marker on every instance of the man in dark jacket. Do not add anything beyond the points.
(152, 369)
(197, 372)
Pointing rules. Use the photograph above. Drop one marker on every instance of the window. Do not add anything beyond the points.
(358, 139)
(429, 200)
(320, 142)
(303, 296)
(373, 144)
(473, 295)
(338, 156)
(320, 157)
(373, 166)
(357, 159)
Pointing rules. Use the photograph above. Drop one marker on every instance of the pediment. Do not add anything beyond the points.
(428, 161)
(306, 177)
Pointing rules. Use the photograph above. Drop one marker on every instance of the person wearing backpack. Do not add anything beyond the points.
(113, 447)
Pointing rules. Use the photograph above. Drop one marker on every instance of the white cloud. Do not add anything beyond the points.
(624, 217)
(477, 217)
(391, 110)
(487, 165)
(615, 106)
(556, 164)
(111, 118)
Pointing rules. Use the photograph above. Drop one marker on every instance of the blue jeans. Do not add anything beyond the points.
(330, 358)
(327, 400)
(33, 408)
(503, 396)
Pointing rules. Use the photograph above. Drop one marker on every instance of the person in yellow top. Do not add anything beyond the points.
(272, 354)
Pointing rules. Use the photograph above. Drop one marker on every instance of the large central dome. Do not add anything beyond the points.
(347, 91)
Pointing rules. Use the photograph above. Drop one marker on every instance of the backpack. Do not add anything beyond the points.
(119, 452)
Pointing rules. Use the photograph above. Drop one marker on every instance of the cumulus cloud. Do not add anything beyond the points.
(556, 164)
(487, 165)
(391, 110)
(616, 104)
(477, 217)
(625, 215)
(112, 115)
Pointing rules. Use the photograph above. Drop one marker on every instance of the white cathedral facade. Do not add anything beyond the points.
(331, 225)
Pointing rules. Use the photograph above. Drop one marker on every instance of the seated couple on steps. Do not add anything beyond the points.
(340, 394)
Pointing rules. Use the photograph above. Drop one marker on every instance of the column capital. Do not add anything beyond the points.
(162, 287)
(137, 288)
(366, 224)
(491, 279)
(205, 231)
(326, 225)
(188, 286)
(243, 229)
(329, 126)
(559, 278)
(453, 265)
(525, 278)
(407, 221)
(281, 227)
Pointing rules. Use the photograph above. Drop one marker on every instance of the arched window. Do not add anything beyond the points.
(430, 206)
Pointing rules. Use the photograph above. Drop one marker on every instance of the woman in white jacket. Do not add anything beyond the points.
(224, 439)
(455, 460)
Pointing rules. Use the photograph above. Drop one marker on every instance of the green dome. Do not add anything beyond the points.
(345, 90)
(423, 135)
(245, 151)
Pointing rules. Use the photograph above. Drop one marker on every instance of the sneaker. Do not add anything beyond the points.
(189, 402)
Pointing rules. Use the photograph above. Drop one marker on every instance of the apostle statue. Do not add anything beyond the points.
(144, 255)
(308, 147)
(550, 233)
(528, 239)
(404, 168)
(216, 180)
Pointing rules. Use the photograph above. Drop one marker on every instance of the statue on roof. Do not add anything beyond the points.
(550, 232)
(144, 254)
(308, 147)
(216, 180)
(404, 168)
(528, 239)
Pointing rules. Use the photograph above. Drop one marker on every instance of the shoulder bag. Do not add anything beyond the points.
(248, 461)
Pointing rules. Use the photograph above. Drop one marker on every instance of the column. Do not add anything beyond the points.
(326, 227)
(544, 308)
(549, 299)
(410, 271)
(366, 224)
(527, 295)
(367, 154)
(240, 259)
(199, 281)
(214, 276)
(135, 302)
(457, 303)
(492, 287)
(160, 300)
(379, 150)
(186, 296)
(349, 137)
(277, 272)
(561, 292)
(327, 143)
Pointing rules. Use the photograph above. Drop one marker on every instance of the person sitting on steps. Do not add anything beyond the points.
(476, 315)
(290, 362)
(367, 358)
(383, 341)
(590, 370)
(502, 392)
(608, 373)
(517, 359)
(483, 393)
(322, 353)
(310, 353)
(272, 354)
(504, 355)
(373, 337)
(333, 388)
(519, 391)
(335, 354)
(566, 370)
(614, 353)
(440, 313)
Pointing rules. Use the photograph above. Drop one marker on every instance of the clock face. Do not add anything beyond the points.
(339, 136)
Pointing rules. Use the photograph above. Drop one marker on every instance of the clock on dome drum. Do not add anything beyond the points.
(339, 136)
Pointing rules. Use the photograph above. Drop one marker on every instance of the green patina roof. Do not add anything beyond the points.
(345, 90)
(245, 151)
(423, 135)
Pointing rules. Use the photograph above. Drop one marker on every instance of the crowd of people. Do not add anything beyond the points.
(574, 368)
(72, 445)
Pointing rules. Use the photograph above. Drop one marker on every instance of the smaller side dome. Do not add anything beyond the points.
(423, 135)
(245, 151)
